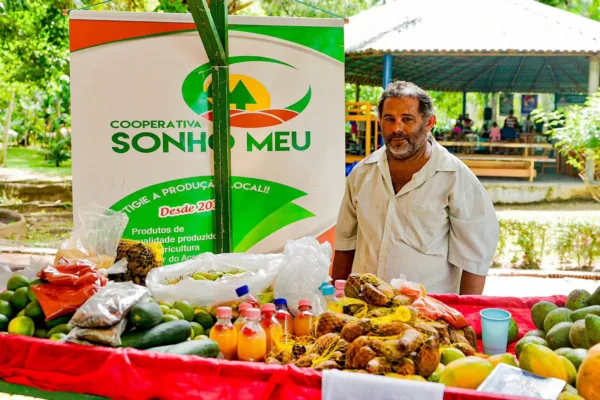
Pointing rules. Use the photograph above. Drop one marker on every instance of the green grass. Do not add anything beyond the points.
(32, 159)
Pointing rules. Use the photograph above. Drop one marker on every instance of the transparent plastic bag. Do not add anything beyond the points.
(30, 271)
(307, 268)
(110, 336)
(97, 238)
(176, 283)
(109, 305)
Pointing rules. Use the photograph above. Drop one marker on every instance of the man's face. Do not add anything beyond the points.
(403, 127)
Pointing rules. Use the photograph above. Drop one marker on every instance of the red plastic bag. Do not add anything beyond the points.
(435, 310)
(71, 284)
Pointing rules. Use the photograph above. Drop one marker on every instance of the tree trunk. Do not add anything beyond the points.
(11, 106)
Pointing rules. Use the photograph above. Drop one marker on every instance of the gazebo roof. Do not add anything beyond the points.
(473, 45)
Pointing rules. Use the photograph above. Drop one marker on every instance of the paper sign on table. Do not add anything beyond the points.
(508, 380)
(339, 385)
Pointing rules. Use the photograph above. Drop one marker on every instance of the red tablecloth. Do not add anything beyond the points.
(133, 374)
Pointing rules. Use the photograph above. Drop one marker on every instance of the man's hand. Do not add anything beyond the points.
(471, 283)
(342, 264)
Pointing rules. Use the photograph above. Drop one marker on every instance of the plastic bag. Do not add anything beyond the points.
(110, 336)
(141, 258)
(71, 284)
(97, 238)
(30, 271)
(175, 282)
(307, 268)
(109, 305)
(428, 306)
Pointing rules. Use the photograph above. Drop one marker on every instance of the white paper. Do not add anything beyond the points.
(339, 385)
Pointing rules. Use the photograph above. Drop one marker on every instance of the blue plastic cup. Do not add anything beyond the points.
(494, 330)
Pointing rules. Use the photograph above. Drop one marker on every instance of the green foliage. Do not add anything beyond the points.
(367, 93)
(576, 131)
(573, 243)
(578, 244)
(585, 8)
(290, 8)
(59, 153)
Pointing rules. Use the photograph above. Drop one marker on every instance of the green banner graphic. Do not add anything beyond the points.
(180, 214)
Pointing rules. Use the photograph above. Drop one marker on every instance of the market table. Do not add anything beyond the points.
(135, 374)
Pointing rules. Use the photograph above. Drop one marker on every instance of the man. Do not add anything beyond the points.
(511, 121)
(413, 209)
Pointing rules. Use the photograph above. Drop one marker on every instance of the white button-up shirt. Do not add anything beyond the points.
(440, 223)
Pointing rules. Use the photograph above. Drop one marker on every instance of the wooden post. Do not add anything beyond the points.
(357, 93)
(213, 29)
(11, 107)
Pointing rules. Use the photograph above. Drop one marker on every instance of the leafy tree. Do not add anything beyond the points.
(585, 8)
(576, 130)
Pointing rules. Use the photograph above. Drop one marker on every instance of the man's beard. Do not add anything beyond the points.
(412, 145)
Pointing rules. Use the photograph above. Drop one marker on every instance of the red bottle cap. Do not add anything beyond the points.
(304, 303)
(340, 284)
(252, 313)
(268, 307)
(244, 306)
(224, 312)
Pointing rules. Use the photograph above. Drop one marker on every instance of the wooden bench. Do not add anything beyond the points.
(506, 166)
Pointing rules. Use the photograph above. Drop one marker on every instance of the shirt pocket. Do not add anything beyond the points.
(425, 230)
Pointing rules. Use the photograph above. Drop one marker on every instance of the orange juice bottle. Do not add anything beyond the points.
(304, 319)
(271, 325)
(225, 333)
(241, 321)
(252, 339)
(284, 317)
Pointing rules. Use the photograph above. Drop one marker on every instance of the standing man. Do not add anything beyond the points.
(414, 209)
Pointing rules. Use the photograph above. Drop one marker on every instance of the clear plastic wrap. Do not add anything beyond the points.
(109, 305)
(307, 267)
(110, 336)
(97, 238)
(176, 283)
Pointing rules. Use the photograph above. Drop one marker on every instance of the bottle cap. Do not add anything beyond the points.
(279, 302)
(253, 313)
(268, 307)
(224, 312)
(242, 290)
(244, 306)
(340, 284)
(323, 284)
(328, 290)
(304, 303)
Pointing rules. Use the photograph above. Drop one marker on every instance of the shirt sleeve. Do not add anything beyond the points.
(474, 229)
(347, 224)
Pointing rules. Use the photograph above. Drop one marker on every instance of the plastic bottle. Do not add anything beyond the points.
(245, 296)
(340, 286)
(284, 317)
(332, 302)
(304, 320)
(224, 333)
(271, 325)
(252, 339)
(241, 321)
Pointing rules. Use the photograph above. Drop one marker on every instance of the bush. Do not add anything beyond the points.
(574, 243)
(59, 153)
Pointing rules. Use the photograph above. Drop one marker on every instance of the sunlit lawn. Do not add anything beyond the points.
(32, 159)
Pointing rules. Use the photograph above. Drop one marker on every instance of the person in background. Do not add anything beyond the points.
(457, 130)
(485, 132)
(495, 135)
(411, 208)
(511, 121)
(528, 125)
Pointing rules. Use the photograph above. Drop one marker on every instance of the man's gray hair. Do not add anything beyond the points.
(402, 89)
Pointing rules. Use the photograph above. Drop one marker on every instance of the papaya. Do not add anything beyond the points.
(570, 368)
(466, 373)
(542, 361)
(569, 396)
(588, 377)
(506, 358)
